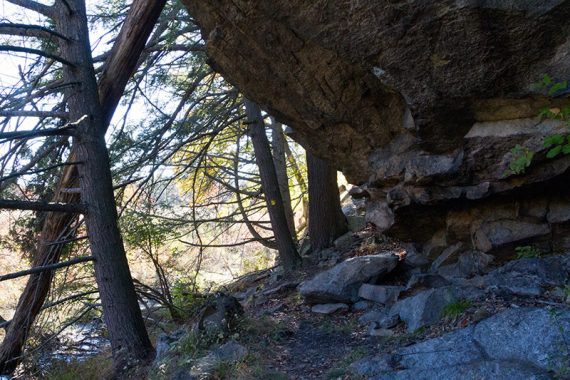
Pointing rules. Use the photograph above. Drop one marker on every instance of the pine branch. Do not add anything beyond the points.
(65, 131)
(45, 10)
(35, 270)
(42, 206)
(27, 30)
(40, 114)
(19, 49)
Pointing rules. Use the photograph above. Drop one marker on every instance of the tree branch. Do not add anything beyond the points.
(25, 172)
(39, 52)
(46, 268)
(45, 10)
(65, 131)
(42, 206)
(41, 114)
(27, 30)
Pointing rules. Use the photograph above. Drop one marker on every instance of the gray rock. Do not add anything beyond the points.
(519, 343)
(481, 370)
(525, 277)
(385, 295)
(375, 365)
(427, 280)
(468, 264)
(446, 256)
(372, 316)
(389, 321)
(329, 308)
(426, 307)
(501, 232)
(164, 342)
(344, 242)
(413, 258)
(230, 352)
(361, 305)
(341, 283)
(451, 349)
(536, 336)
(378, 331)
(220, 314)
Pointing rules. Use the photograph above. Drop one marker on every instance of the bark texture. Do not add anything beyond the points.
(129, 340)
(288, 255)
(278, 148)
(326, 220)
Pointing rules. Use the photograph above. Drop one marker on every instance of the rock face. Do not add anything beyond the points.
(523, 343)
(420, 101)
(342, 282)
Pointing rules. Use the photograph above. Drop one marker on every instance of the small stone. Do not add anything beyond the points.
(344, 242)
(378, 331)
(480, 314)
(372, 316)
(385, 295)
(361, 305)
(329, 308)
(389, 321)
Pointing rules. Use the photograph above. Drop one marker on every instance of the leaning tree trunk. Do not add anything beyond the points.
(278, 146)
(288, 255)
(59, 227)
(123, 318)
(326, 219)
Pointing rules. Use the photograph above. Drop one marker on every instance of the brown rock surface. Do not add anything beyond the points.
(421, 101)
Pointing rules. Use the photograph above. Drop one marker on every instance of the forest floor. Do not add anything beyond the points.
(299, 344)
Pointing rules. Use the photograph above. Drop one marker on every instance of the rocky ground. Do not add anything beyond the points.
(375, 309)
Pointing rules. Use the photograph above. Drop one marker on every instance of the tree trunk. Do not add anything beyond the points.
(123, 318)
(278, 146)
(288, 255)
(326, 219)
(119, 67)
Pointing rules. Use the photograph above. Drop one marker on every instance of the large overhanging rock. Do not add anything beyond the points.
(420, 101)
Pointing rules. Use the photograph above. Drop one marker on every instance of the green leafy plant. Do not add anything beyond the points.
(550, 86)
(522, 158)
(527, 252)
(455, 309)
(556, 143)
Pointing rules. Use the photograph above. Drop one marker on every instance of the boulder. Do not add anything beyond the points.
(519, 343)
(536, 336)
(429, 136)
(230, 352)
(426, 307)
(341, 283)
(220, 314)
(527, 276)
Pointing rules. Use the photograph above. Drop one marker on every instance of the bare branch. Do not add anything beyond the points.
(27, 30)
(40, 114)
(42, 206)
(66, 131)
(45, 10)
(46, 268)
(24, 172)
(39, 52)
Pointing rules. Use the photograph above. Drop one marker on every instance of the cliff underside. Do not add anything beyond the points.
(420, 103)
